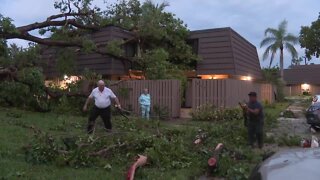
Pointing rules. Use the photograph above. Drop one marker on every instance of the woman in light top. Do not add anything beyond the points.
(145, 102)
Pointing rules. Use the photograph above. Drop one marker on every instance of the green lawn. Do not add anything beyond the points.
(17, 131)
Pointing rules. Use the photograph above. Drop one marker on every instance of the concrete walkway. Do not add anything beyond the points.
(293, 126)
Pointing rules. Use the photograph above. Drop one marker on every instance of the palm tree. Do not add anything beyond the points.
(279, 39)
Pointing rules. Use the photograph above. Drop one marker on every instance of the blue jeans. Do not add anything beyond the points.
(145, 111)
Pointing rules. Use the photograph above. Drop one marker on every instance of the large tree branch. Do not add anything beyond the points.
(73, 22)
(43, 41)
(22, 32)
(67, 15)
(59, 43)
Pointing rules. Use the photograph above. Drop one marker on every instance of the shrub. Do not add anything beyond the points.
(289, 140)
(209, 112)
(305, 93)
(28, 91)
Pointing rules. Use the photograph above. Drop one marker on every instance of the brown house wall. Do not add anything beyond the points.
(214, 48)
(224, 51)
(101, 64)
(246, 56)
(303, 74)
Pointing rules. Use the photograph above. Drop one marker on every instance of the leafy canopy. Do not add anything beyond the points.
(154, 30)
(310, 39)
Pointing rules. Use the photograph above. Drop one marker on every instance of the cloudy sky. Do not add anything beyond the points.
(248, 17)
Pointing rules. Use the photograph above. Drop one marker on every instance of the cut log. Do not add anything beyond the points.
(213, 161)
(141, 160)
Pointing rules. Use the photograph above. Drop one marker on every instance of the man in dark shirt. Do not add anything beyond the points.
(255, 120)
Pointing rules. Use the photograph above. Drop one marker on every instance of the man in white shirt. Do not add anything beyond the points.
(102, 97)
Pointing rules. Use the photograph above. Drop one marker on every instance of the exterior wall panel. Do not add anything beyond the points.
(102, 64)
(225, 46)
(303, 74)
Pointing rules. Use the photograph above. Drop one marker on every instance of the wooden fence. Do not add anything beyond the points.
(164, 94)
(293, 90)
(228, 92)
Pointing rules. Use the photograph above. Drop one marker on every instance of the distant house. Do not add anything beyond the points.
(223, 52)
(302, 78)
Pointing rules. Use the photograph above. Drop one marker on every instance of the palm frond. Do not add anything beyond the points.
(273, 32)
(291, 38)
(266, 53)
(267, 41)
(292, 50)
(270, 49)
(282, 28)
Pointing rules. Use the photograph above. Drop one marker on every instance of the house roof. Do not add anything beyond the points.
(303, 74)
(224, 51)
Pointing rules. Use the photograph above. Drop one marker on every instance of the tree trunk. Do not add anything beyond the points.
(305, 61)
(281, 63)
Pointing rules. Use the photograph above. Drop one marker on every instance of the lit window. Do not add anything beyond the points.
(246, 78)
(305, 87)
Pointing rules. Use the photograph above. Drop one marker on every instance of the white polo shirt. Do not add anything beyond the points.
(102, 99)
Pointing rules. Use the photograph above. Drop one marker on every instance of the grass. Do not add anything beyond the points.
(272, 113)
(14, 136)
(16, 132)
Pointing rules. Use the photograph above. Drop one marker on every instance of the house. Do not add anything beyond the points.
(109, 67)
(223, 52)
(302, 79)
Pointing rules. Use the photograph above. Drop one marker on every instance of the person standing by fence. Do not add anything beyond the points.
(255, 120)
(145, 103)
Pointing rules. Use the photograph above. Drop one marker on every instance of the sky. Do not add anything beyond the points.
(248, 17)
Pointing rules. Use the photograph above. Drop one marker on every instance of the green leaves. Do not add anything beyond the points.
(43, 151)
(169, 147)
(6, 25)
(114, 47)
(88, 46)
(158, 34)
(309, 39)
(156, 64)
(66, 61)
(209, 112)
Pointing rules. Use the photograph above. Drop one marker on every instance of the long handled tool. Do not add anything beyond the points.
(121, 111)
(244, 112)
